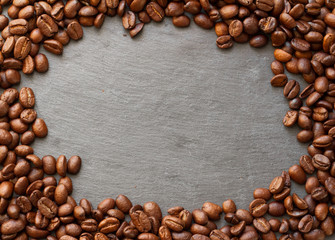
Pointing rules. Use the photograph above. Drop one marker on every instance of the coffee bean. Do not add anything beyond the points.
(277, 185)
(244, 215)
(28, 116)
(224, 42)
(142, 222)
(40, 128)
(258, 41)
(47, 25)
(235, 28)
(74, 30)
(27, 97)
(155, 12)
(297, 174)
(181, 21)
(203, 20)
(262, 225)
(41, 63)
(305, 136)
(123, 203)
(74, 164)
(291, 89)
(262, 193)
(321, 162)
(290, 118)
(109, 225)
(307, 164)
(276, 209)
(212, 210)
(258, 207)
(47, 207)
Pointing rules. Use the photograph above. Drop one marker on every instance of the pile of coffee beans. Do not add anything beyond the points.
(34, 205)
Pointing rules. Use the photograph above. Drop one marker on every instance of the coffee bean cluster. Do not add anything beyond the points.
(19, 124)
(34, 205)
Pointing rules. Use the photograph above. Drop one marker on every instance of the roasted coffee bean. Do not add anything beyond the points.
(297, 174)
(224, 42)
(47, 25)
(321, 162)
(279, 80)
(262, 225)
(203, 20)
(276, 209)
(41, 63)
(47, 207)
(290, 118)
(74, 30)
(53, 46)
(212, 210)
(258, 41)
(155, 12)
(258, 207)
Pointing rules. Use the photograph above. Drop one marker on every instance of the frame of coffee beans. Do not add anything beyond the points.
(34, 205)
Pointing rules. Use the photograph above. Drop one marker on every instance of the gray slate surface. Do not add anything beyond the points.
(166, 117)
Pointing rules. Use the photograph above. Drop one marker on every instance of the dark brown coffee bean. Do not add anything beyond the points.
(235, 28)
(28, 65)
(40, 128)
(321, 162)
(290, 118)
(279, 80)
(47, 207)
(320, 114)
(300, 45)
(276, 209)
(123, 203)
(307, 164)
(258, 41)
(319, 193)
(258, 207)
(49, 164)
(53, 46)
(238, 228)
(27, 138)
(175, 9)
(28, 116)
(305, 136)
(330, 185)
(109, 225)
(212, 210)
(5, 137)
(27, 97)
(61, 194)
(129, 20)
(262, 225)
(203, 20)
(224, 42)
(277, 67)
(41, 63)
(155, 12)
(22, 48)
(181, 21)
(142, 222)
(74, 164)
(74, 30)
(47, 25)
(277, 185)
(12, 226)
(262, 193)
(18, 26)
(297, 174)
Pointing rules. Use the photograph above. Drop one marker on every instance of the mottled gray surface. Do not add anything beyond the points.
(166, 117)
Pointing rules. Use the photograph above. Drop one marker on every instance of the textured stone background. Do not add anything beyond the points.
(166, 117)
